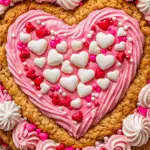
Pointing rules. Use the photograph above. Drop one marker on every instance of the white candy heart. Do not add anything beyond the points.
(62, 47)
(52, 75)
(54, 58)
(104, 40)
(121, 32)
(80, 60)
(40, 62)
(76, 45)
(103, 83)
(120, 47)
(66, 67)
(44, 88)
(86, 75)
(105, 61)
(84, 90)
(76, 103)
(38, 47)
(25, 37)
(113, 75)
(93, 48)
(69, 83)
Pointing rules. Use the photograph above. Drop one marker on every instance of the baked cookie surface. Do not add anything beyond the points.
(113, 121)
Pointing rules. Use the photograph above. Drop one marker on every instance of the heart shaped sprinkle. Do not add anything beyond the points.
(105, 61)
(66, 67)
(73, 71)
(113, 75)
(62, 47)
(93, 48)
(120, 47)
(104, 40)
(86, 75)
(69, 83)
(76, 45)
(76, 103)
(54, 58)
(40, 62)
(25, 37)
(80, 60)
(103, 83)
(52, 75)
(38, 47)
(84, 90)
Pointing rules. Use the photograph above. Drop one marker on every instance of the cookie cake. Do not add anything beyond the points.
(75, 74)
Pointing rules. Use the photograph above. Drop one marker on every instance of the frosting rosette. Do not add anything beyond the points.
(24, 139)
(68, 4)
(144, 7)
(144, 96)
(118, 142)
(47, 145)
(9, 115)
(136, 128)
(3, 96)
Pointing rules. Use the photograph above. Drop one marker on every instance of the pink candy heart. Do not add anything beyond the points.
(43, 136)
(30, 127)
(142, 110)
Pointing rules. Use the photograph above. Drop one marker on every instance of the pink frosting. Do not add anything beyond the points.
(3, 96)
(47, 145)
(107, 99)
(118, 142)
(24, 139)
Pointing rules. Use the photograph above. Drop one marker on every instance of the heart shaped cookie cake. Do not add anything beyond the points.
(72, 80)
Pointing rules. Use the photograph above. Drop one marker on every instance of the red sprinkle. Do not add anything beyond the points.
(60, 147)
(52, 89)
(99, 73)
(29, 27)
(128, 57)
(96, 104)
(51, 94)
(93, 28)
(87, 44)
(42, 32)
(56, 101)
(66, 102)
(24, 54)
(38, 80)
(104, 24)
(121, 56)
(78, 116)
(26, 68)
(31, 74)
(38, 87)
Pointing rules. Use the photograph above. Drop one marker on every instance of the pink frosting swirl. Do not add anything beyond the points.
(24, 139)
(118, 142)
(3, 96)
(47, 145)
(136, 128)
(144, 96)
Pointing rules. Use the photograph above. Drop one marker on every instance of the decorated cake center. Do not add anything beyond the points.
(74, 74)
